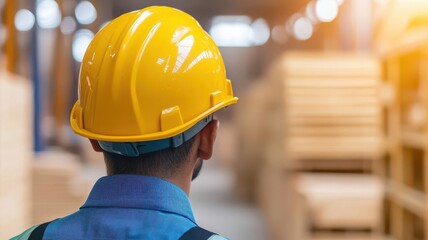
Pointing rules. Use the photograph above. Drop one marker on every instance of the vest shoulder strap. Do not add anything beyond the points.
(24, 235)
(198, 233)
(34, 233)
(37, 233)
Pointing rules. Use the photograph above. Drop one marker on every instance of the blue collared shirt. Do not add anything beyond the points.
(128, 207)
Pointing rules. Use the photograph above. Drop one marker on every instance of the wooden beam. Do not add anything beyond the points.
(397, 214)
(10, 47)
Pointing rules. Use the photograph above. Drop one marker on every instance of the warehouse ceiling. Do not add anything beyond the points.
(274, 11)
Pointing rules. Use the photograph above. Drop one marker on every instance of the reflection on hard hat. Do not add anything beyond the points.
(184, 47)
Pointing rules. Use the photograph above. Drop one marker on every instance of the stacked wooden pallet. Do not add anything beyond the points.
(323, 114)
(57, 190)
(332, 108)
(333, 117)
(15, 154)
(341, 201)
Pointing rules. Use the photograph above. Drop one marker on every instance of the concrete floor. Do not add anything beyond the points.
(217, 209)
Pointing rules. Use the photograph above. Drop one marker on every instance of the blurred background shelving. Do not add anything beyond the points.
(404, 169)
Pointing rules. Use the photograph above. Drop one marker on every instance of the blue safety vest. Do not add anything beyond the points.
(127, 207)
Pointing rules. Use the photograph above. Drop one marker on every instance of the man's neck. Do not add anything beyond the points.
(181, 182)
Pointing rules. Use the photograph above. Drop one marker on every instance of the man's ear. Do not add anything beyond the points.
(206, 140)
(95, 145)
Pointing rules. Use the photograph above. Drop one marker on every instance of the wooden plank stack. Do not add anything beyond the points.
(337, 201)
(332, 123)
(16, 154)
(332, 108)
(321, 112)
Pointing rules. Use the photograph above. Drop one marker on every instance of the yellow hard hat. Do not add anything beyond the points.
(148, 75)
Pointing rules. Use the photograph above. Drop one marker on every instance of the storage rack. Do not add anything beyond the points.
(404, 168)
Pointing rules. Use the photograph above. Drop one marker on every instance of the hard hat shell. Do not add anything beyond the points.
(147, 75)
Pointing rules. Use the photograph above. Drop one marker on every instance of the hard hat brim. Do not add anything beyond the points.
(144, 137)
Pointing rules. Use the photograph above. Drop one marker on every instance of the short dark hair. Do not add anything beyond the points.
(164, 163)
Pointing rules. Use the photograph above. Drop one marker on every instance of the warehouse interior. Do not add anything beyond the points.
(329, 139)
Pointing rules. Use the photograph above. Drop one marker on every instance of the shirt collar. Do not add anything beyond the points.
(138, 191)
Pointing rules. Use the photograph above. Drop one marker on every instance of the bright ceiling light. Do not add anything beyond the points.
(85, 12)
(261, 31)
(24, 20)
(48, 14)
(289, 25)
(68, 25)
(303, 28)
(340, 2)
(326, 10)
(81, 41)
(232, 31)
(310, 12)
(279, 34)
(239, 31)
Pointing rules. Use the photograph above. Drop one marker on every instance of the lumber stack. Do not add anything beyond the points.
(332, 108)
(57, 187)
(15, 154)
(341, 201)
(314, 112)
(320, 205)
(332, 124)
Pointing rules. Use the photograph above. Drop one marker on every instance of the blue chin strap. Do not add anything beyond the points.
(134, 149)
